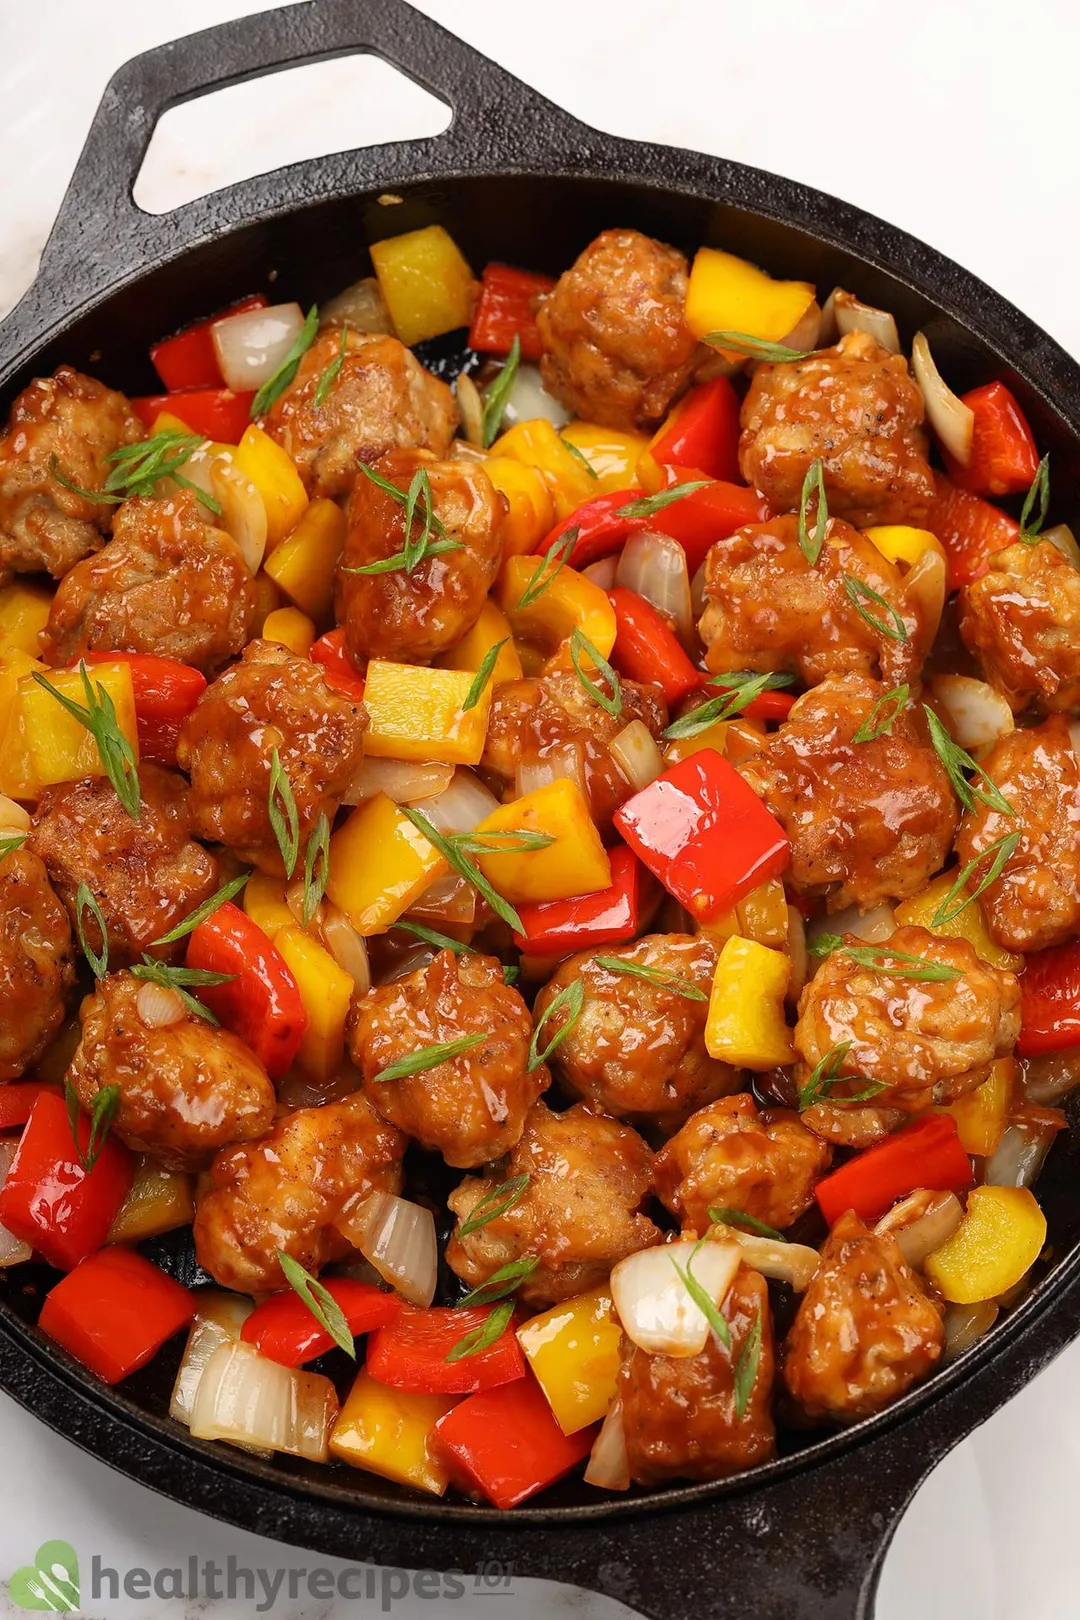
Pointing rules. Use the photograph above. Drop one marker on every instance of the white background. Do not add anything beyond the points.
(953, 118)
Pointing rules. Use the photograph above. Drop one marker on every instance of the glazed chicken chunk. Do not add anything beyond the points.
(146, 874)
(617, 349)
(679, 1413)
(768, 608)
(923, 1041)
(168, 583)
(579, 1213)
(45, 527)
(859, 409)
(271, 702)
(187, 1088)
(638, 1049)
(470, 1108)
(730, 1156)
(552, 715)
(382, 399)
(869, 820)
(1021, 620)
(287, 1190)
(36, 962)
(1035, 900)
(410, 617)
(865, 1330)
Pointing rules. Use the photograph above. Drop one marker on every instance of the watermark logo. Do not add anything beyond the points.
(51, 1582)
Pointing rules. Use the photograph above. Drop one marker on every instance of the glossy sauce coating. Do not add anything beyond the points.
(580, 1213)
(858, 408)
(1022, 622)
(36, 962)
(187, 1088)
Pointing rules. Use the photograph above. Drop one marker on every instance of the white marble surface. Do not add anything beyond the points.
(954, 118)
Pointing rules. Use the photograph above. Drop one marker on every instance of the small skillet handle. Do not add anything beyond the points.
(101, 237)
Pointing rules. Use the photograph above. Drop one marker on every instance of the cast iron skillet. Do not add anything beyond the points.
(514, 178)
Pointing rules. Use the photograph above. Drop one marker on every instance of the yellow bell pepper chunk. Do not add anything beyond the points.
(491, 628)
(567, 602)
(167, 422)
(265, 904)
(44, 744)
(13, 666)
(290, 628)
(270, 468)
(267, 600)
(903, 544)
(326, 991)
(426, 282)
(575, 862)
(532, 505)
(982, 1115)
(969, 924)
(304, 565)
(993, 1248)
(573, 1349)
(761, 916)
(158, 1200)
(385, 1431)
(728, 294)
(745, 1024)
(379, 864)
(537, 444)
(24, 612)
(613, 456)
(418, 713)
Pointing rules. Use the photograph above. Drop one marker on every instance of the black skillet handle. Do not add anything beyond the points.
(101, 237)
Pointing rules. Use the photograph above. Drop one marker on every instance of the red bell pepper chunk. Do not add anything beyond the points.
(611, 917)
(970, 529)
(17, 1099)
(504, 310)
(506, 1444)
(165, 693)
(189, 360)
(700, 519)
(48, 1199)
(115, 1311)
(705, 834)
(647, 648)
(703, 432)
(283, 1328)
(216, 412)
(341, 672)
(926, 1154)
(1004, 459)
(601, 528)
(261, 1002)
(1050, 1001)
(769, 705)
(411, 1351)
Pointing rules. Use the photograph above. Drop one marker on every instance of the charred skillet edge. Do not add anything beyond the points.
(807, 1546)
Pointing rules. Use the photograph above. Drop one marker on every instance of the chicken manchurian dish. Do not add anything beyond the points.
(567, 882)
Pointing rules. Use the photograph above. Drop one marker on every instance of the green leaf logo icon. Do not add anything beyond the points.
(51, 1582)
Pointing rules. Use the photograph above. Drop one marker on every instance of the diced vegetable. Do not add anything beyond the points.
(609, 1466)
(114, 1312)
(1050, 1001)
(969, 923)
(702, 433)
(727, 294)
(791, 1263)
(290, 628)
(272, 471)
(600, 528)
(698, 520)
(49, 1199)
(745, 1024)
(17, 1098)
(574, 863)
(612, 455)
(252, 344)
(284, 1329)
(647, 649)
(982, 1115)
(705, 834)
(653, 567)
(952, 421)
(994, 1247)
(610, 916)
(342, 674)
(158, 1200)
(921, 1223)
(573, 1351)
(1018, 1159)
(926, 1154)
(386, 1432)
(761, 916)
(404, 781)
(13, 666)
(505, 1444)
(419, 713)
(654, 1290)
(975, 714)
(970, 529)
(505, 309)
(261, 1002)
(24, 613)
(565, 603)
(326, 991)
(250, 1400)
(903, 544)
(426, 282)
(219, 1316)
(304, 565)
(189, 360)
(217, 412)
(265, 903)
(380, 864)
(1003, 459)
(398, 1238)
(492, 629)
(531, 503)
(165, 693)
(13, 1251)
(411, 1352)
(537, 444)
(44, 744)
